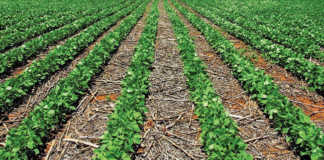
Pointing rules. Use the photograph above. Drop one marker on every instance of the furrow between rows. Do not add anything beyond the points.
(171, 130)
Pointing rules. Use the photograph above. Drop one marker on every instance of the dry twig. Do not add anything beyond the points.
(81, 142)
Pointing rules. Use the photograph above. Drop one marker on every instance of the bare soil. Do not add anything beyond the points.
(171, 130)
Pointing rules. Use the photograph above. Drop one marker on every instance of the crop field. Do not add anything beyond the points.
(162, 80)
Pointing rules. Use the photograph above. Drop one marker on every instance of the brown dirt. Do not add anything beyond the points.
(88, 123)
(290, 86)
(171, 130)
(40, 92)
(255, 129)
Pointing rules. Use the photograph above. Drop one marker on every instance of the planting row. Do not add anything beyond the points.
(288, 17)
(23, 25)
(302, 19)
(307, 139)
(301, 45)
(33, 47)
(7, 19)
(20, 12)
(9, 40)
(290, 60)
(123, 126)
(219, 133)
(25, 141)
(17, 87)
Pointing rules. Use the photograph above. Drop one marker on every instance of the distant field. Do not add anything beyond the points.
(161, 79)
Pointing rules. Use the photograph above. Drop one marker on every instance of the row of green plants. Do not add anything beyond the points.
(21, 54)
(123, 127)
(16, 13)
(8, 41)
(219, 133)
(295, 63)
(8, 18)
(299, 44)
(28, 139)
(306, 138)
(21, 26)
(15, 88)
(299, 21)
(303, 22)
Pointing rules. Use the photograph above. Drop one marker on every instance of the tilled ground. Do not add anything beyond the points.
(14, 72)
(255, 129)
(290, 86)
(171, 130)
(39, 92)
(295, 89)
(26, 104)
(82, 132)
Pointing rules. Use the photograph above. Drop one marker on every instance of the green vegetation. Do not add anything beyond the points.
(15, 88)
(219, 132)
(33, 47)
(308, 139)
(40, 38)
(25, 141)
(276, 32)
(295, 63)
(123, 127)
